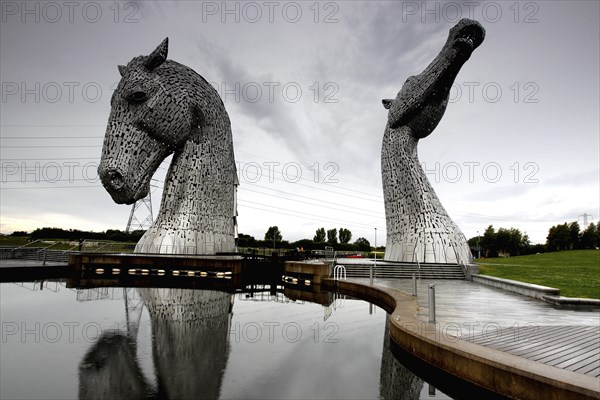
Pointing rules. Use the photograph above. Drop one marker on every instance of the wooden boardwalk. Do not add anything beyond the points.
(573, 348)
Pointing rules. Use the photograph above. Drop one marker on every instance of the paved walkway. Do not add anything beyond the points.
(565, 338)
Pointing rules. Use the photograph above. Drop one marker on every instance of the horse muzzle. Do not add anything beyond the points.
(114, 180)
(114, 183)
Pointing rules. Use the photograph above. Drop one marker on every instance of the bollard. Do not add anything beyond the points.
(431, 390)
(44, 261)
(432, 304)
(414, 282)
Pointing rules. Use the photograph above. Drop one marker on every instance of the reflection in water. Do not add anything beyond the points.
(189, 345)
(110, 370)
(396, 381)
(190, 350)
(190, 333)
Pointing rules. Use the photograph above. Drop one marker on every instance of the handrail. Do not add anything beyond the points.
(77, 245)
(103, 246)
(339, 272)
(26, 244)
(47, 247)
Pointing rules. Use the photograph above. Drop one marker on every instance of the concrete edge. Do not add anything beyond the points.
(497, 371)
(572, 301)
(545, 293)
(518, 284)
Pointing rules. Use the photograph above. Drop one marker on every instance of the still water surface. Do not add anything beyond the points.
(180, 343)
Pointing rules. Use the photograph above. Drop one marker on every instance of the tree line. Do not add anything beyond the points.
(493, 243)
(113, 235)
(512, 242)
(570, 237)
(338, 240)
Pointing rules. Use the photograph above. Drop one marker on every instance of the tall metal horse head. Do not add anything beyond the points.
(418, 227)
(161, 107)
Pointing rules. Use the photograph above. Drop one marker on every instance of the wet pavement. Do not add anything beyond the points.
(564, 338)
(472, 304)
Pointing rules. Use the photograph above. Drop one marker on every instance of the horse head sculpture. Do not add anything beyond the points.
(161, 107)
(421, 102)
(418, 227)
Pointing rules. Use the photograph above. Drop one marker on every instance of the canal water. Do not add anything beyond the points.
(132, 343)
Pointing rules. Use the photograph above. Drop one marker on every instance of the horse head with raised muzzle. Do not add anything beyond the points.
(422, 100)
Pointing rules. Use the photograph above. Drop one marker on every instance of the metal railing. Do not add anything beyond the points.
(339, 272)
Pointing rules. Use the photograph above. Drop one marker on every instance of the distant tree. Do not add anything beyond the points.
(525, 246)
(332, 236)
(345, 235)
(246, 240)
(320, 236)
(559, 238)
(537, 248)
(273, 234)
(306, 244)
(514, 244)
(135, 236)
(574, 235)
(551, 239)
(504, 242)
(19, 233)
(474, 241)
(588, 239)
(362, 244)
(488, 242)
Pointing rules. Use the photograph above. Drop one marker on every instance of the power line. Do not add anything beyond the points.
(312, 181)
(255, 184)
(305, 216)
(320, 205)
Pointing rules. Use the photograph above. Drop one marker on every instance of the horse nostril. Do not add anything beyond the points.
(115, 179)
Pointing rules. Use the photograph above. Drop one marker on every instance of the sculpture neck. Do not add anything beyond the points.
(404, 179)
(178, 187)
(401, 144)
(194, 185)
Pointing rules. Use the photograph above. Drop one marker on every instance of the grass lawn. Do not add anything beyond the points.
(576, 273)
(66, 244)
(12, 241)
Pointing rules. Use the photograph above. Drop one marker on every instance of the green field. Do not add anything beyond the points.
(576, 273)
(11, 241)
(66, 244)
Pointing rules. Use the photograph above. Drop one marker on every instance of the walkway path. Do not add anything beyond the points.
(565, 338)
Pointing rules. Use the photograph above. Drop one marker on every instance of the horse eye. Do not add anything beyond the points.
(138, 97)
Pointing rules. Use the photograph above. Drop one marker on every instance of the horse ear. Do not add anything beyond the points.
(122, 69)
(387, 103)
(158, 56)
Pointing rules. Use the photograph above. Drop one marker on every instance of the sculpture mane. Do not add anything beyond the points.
(161, 107)
(418, 227)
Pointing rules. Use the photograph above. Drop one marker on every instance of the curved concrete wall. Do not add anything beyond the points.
(499, 372)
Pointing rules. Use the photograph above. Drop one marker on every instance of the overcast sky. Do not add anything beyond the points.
(302, 83)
